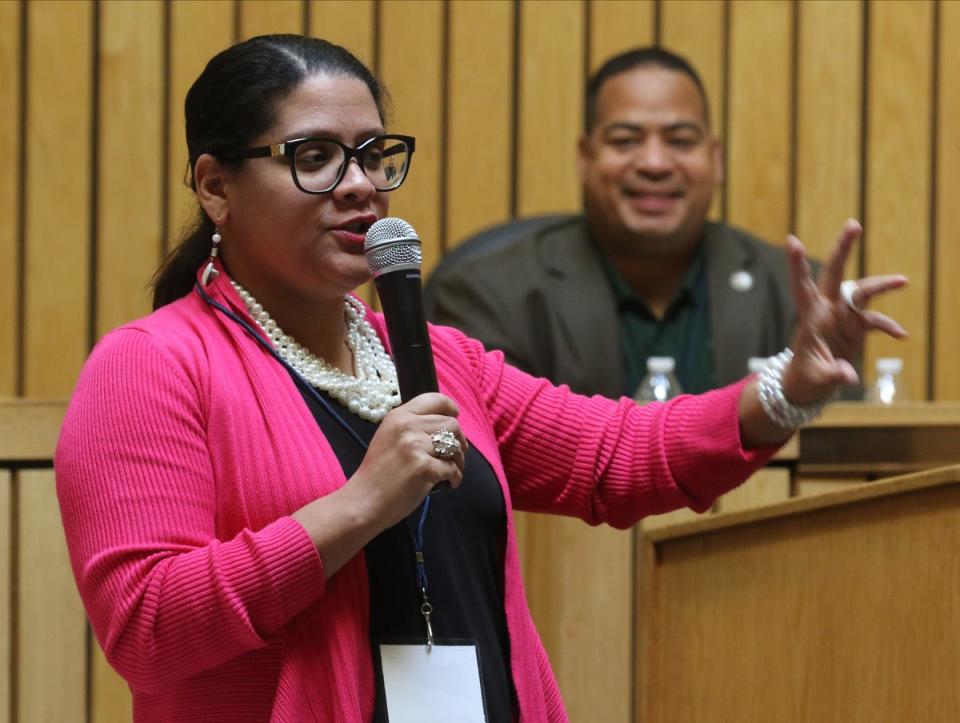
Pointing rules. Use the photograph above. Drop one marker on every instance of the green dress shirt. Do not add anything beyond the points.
(683, 333)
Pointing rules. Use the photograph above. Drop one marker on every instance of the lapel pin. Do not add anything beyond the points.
(741, 281)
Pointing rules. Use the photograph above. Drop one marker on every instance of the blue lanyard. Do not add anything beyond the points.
(426, 608)
(317, 396)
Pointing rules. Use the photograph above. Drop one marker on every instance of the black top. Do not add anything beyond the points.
(464, 542)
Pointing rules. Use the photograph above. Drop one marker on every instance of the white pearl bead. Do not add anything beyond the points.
(370, 392)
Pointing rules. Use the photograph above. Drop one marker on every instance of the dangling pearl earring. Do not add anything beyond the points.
(210, 273)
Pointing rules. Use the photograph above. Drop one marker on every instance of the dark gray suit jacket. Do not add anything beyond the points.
(543, 299)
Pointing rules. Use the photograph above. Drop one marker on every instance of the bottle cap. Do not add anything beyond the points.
(660, 364)
(755, 364)
(889, 365)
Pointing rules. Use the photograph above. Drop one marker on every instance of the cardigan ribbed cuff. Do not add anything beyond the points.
(274, 573)
(707, 426)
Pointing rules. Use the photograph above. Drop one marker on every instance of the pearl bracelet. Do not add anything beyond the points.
(780, 409)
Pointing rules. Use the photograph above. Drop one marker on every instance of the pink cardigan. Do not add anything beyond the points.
(186, 447)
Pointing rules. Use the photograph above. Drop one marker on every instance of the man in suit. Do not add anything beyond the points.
(585, 299)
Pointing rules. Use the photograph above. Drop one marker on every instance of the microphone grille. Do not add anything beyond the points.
(390, 229)
(392, 245)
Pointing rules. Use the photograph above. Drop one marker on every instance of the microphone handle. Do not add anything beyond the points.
(401, 299)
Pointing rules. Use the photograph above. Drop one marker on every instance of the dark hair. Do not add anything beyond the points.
(232, 102)
(638, 58)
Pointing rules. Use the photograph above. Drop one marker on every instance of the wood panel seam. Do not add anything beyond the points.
(21, 261)
(932, 200)
(93, 183)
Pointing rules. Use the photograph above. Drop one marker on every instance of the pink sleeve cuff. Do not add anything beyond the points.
(707, 426)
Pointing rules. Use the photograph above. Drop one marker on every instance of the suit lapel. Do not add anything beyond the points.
(589, 341)
(735, 313)
(587, 346)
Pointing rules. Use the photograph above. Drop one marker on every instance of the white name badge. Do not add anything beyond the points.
(439, 686)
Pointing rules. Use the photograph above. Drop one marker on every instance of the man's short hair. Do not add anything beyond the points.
(637, 58)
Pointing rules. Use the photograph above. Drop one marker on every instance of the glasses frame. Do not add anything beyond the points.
(289, 149)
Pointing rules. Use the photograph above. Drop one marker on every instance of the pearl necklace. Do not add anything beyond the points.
(370, 393)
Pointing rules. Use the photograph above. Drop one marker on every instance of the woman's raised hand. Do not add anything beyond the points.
(832, 320)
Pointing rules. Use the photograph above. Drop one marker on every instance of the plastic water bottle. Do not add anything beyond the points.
(660, 384)
(888, 388)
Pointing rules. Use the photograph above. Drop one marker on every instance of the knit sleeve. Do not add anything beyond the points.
(165, 597)
(611, 461)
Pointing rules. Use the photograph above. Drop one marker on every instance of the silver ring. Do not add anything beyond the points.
(847, 290)
(445, 444)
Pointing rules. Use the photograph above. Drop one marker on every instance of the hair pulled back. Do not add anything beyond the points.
(232, 102)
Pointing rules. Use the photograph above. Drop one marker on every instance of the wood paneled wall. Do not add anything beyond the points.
(828, 110)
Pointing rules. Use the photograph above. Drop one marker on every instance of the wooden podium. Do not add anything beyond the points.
(836, 607)
(587, 593)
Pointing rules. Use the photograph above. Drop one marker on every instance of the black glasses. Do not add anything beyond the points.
(319, 164)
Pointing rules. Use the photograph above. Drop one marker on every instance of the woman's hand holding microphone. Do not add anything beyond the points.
(418, 445)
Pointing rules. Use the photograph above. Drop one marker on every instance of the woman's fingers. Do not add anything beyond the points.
(446, 442)
(882, 322)
(418, 444)
(832, 319)
(431, 403)
(831, 275)
(430, 420)
(802, 285)
(435, 424)
(862, 291)
(432, 414)
(872, 286)
(832, 289)
(847, 374)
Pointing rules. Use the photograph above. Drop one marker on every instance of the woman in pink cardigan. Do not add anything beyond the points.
(249, 516)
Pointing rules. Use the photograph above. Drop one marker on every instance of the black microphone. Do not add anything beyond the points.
(393, 254)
